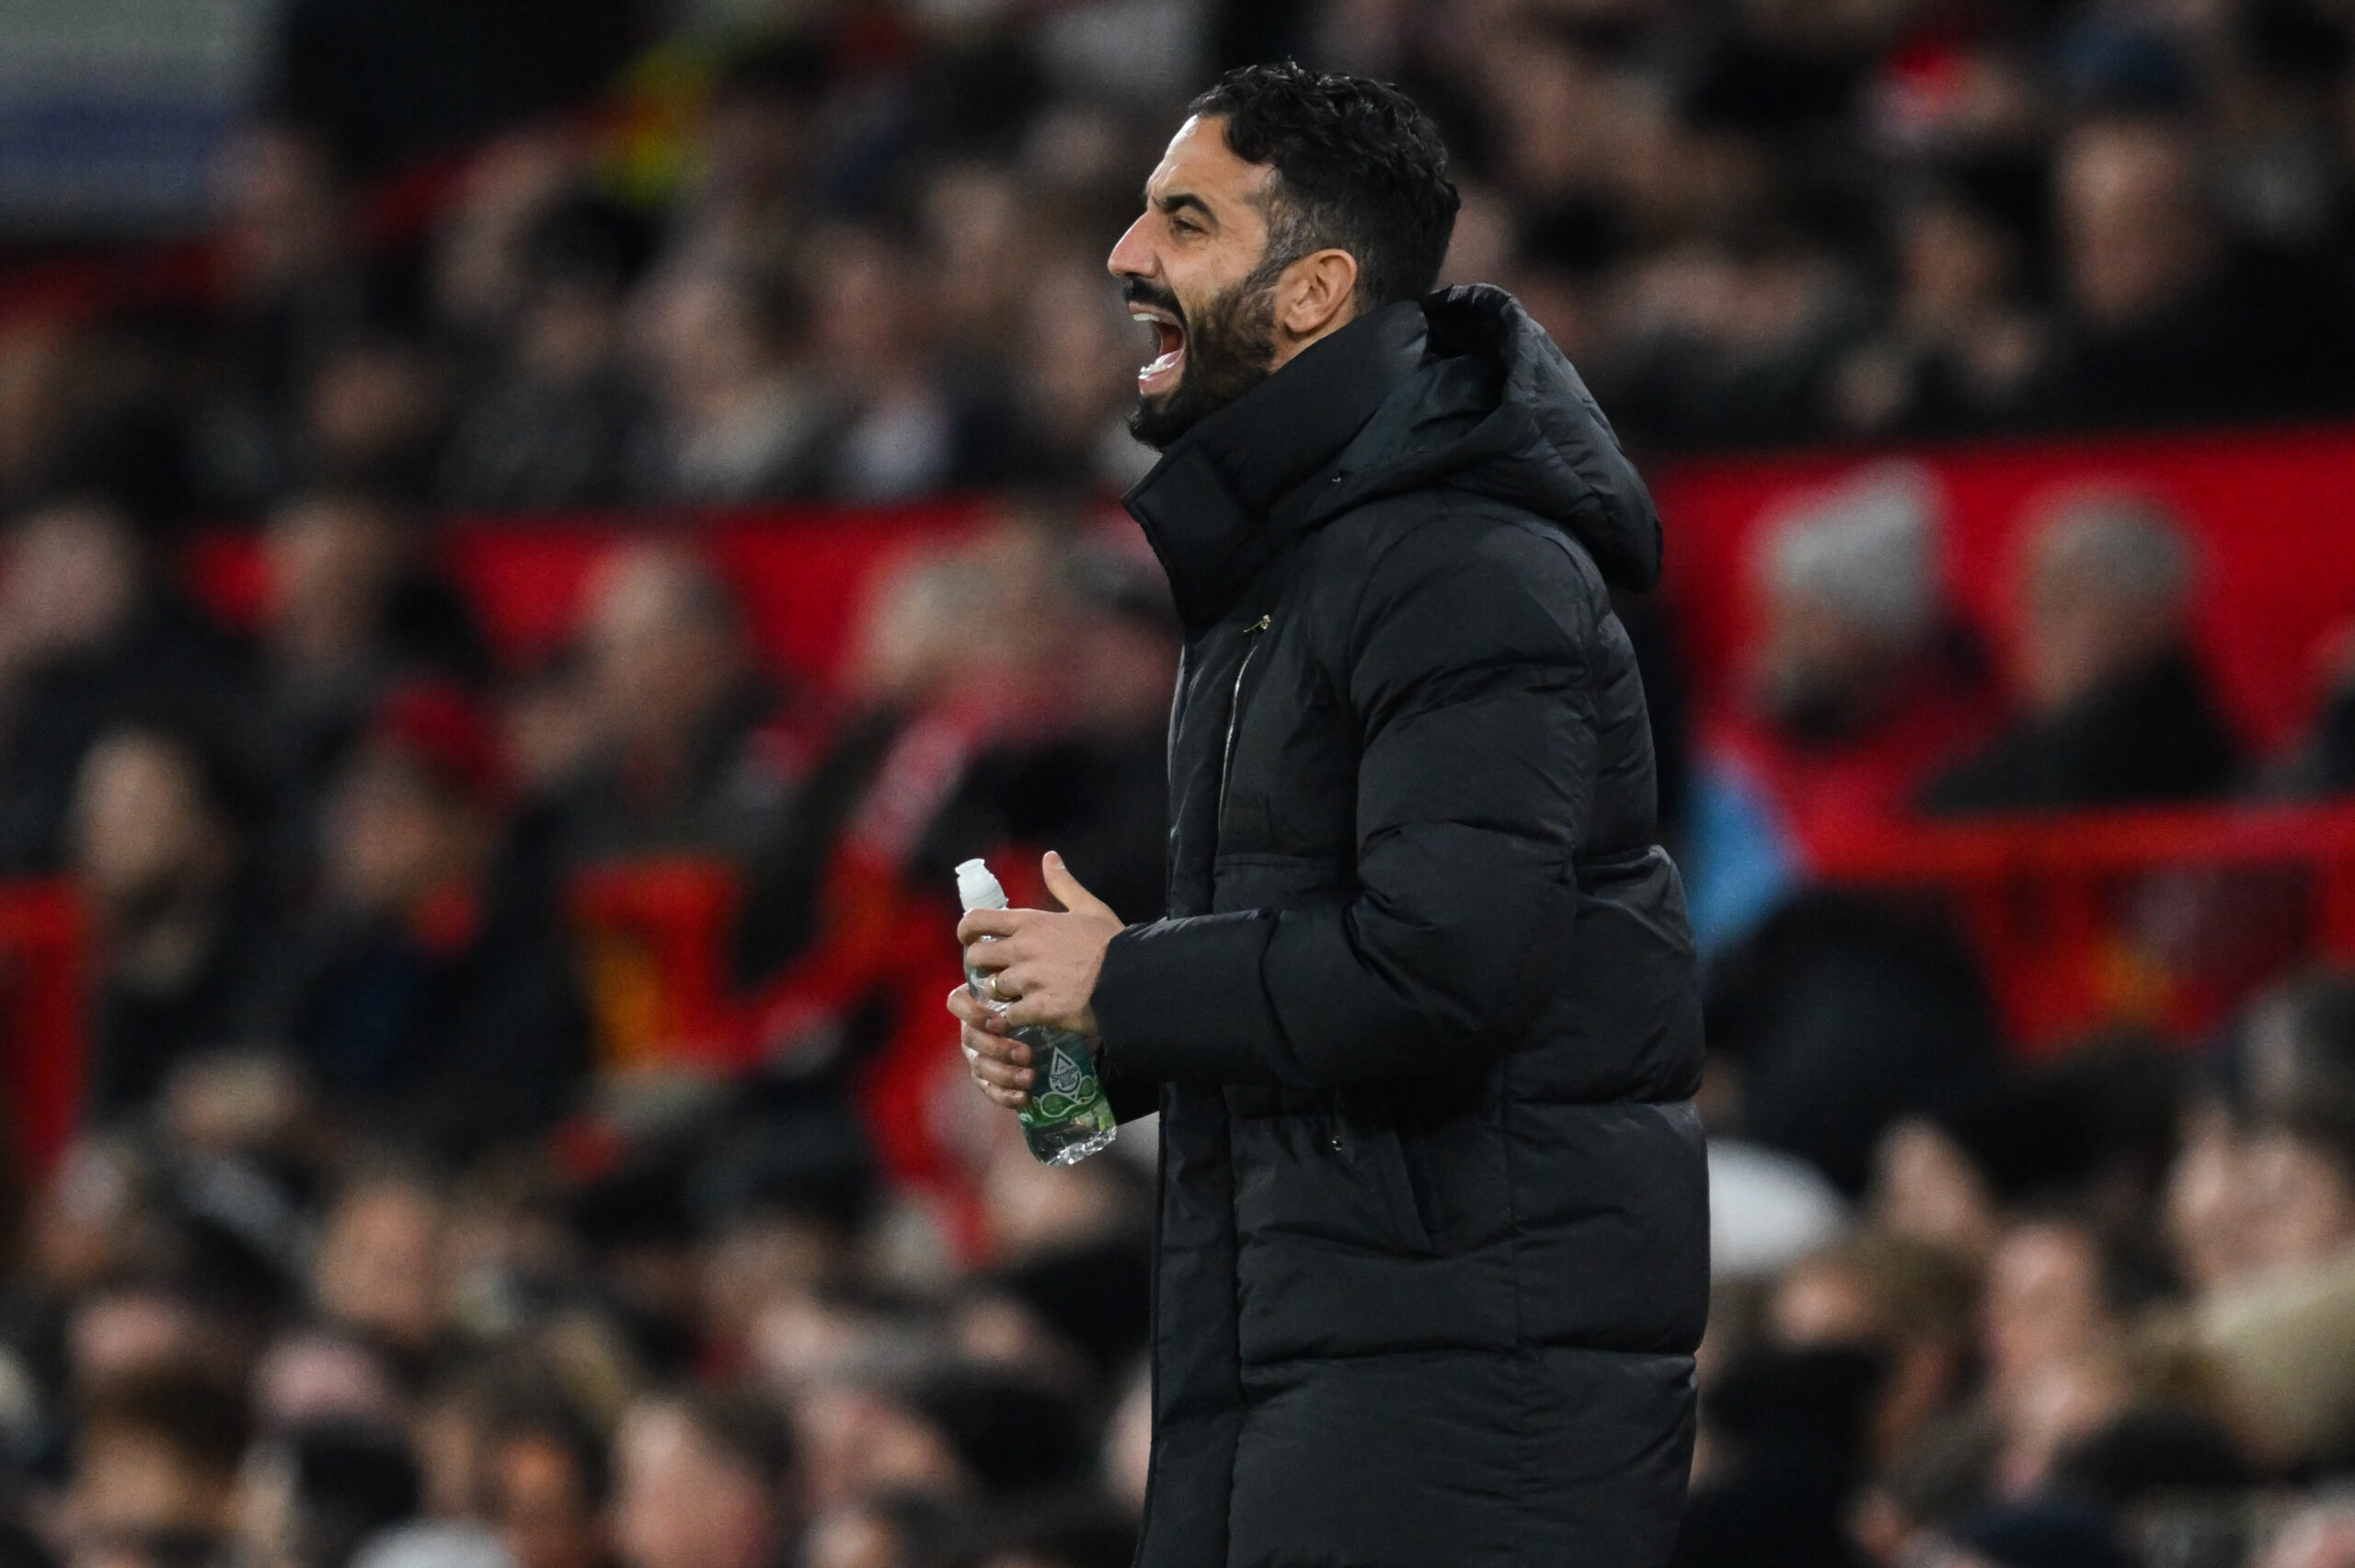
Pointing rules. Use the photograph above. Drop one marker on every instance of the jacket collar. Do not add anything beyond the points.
(1230, 491)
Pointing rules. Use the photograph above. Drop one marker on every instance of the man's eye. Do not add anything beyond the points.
(1185, 226)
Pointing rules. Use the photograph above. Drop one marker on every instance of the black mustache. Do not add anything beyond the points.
(1139, 292)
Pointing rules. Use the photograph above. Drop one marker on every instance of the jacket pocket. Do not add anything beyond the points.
(1381, 1159)
(1330, 1175)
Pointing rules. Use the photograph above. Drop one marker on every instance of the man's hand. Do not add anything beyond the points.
(1044, 962)
(1001, 1064)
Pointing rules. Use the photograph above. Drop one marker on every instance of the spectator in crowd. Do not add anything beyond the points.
(375, 413)
(154, 1461)
(1901, 1301)
(759, 172)
(738, 416)
(2277, 1323)
(705, 1480)
(295, 290)
(894, 427)
(548, 1482)
(90, 628)
(557, 422)
(2115, 707)
(377, 1270)
(314, 1495)
(353, 607)
(1860, 686)
(949, 654)
(323, 1376)
(690, 746)
(1072, 387)
(428, 990)
(1959, 1174)
(1094, 786)
(163, 853)
(1835, 1017)
(489, 244)
(1963, 343)
(2168, 319)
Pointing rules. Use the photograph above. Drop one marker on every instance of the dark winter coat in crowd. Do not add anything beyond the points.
(165, 658)
(1841, 1013)
(144, 1024)
(1432, 1232)
(456, 1029)
(2150, 735)
(733, 795)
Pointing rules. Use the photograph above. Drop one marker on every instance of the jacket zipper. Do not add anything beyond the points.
(1234, 709)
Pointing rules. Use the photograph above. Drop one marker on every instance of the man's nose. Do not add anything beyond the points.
(1132, 257)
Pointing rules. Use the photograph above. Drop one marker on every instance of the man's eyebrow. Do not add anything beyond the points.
(1178, 201)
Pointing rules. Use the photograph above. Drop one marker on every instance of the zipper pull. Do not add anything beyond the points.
(1235, 708)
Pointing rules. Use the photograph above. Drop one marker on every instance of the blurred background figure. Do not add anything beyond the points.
(704, 1481)
(2170, 318)
(155, 1469)
(90, 627)
(163, 851)
(551, 1489)
(353, 607)
(739, 418)
(1861, 684)
(425, 989)
(1965, 340)
(689, 746)
(560, 417)
(312, 1496)
(2114, 707)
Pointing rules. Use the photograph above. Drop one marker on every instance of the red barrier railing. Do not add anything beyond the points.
(42, 983)
(2164, 919)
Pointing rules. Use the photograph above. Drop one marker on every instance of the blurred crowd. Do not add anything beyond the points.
(859, 257)
(371, 1254)
(360, 1260)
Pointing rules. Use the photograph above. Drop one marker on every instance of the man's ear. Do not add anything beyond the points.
(1316, 295)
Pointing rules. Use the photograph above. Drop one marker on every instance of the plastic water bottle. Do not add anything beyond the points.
(1068, 1117)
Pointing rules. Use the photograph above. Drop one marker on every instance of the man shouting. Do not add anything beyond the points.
(1422, 1022)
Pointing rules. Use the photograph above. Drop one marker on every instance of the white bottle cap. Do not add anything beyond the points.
(978, 888)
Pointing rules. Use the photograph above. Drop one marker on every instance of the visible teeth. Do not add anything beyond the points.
(1166, 362)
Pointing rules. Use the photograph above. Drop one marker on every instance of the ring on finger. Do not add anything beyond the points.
(996, 994)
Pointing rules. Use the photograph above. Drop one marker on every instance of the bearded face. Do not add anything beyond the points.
(1209, 356)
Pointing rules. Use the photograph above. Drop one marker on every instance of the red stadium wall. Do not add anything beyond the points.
(2275, 512)
(803, 573)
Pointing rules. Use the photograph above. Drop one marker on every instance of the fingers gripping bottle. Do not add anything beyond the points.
(1068, 1117)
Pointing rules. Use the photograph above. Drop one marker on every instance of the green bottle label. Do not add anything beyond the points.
(1071, 1088)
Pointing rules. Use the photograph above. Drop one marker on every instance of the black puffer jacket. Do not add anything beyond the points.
(1434, 1252)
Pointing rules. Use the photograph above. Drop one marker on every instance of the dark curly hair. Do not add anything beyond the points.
(1359, 168)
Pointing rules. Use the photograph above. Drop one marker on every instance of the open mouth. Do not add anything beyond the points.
(1169, 334)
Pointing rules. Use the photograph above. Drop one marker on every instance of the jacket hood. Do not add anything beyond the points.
(1498, 410)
